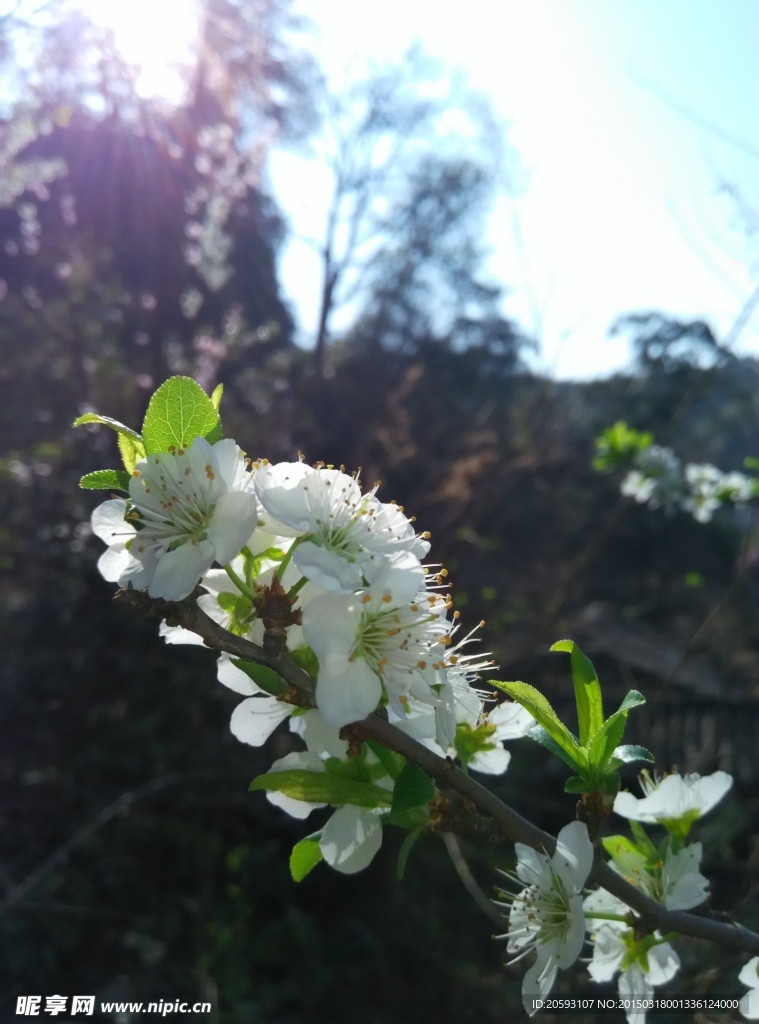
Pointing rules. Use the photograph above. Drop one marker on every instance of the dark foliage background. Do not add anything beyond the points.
(136, 243)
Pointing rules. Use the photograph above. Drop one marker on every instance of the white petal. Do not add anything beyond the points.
(749, 1005)
(320, 737)
(179, 635)
(574, 938)
(233, 521)
(108, 522)
(511, 720)
(280, 492)
(112, 563)
(750, 973)
(663, 964)
(350, 839)
(533, 868)
(608, 950)
(327, 569)
(305, 761)
(256, 718)
(346, 691)
(330, 625)
(633, 985)
(573, 858)
(539, 980)
(491, 762)
(178, 572)
(626, 805)
(233, 677)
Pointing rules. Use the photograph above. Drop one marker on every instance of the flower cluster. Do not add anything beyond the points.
(372, 624)
(659, 480)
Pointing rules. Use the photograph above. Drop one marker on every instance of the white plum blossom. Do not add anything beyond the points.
(352, 836)
(190, 507)
(512, 722)
(375, 641)
(676, 881)
(642, 965)
(749, 1004)
(547, 916)
(348, 535)
(656, 478)
(675, 801)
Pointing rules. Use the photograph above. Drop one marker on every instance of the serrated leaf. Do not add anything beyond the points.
(105, 480)
(588, 699)
(539, 735)
(629, 753)
(216, 394)
(406, 847)
(413, 787)
(304, 857)
(131, 451)
(323, 788)
(605, 741)
(262, 676)
(178, 412)
(307, 660)
(540, 709)
(106, 421)
(392, 763)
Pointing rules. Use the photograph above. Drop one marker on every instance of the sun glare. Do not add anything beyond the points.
(154, 36)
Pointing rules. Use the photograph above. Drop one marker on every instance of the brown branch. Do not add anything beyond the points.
(444, 771)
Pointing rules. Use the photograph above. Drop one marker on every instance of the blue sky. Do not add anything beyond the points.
(621, 209)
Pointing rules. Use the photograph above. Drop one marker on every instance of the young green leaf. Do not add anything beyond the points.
(305, 856)
(539, 735)
(106, 480)
(216, 394)
(178, 412)
(323, 788)
(605, 741)
(392, 763)
(629, 753)
(266, 678)
(307, 660)
(406, 847)
(131, 451)
(590, 709)
(130, 442)
(534, 701)
(576, 784)
(413, 787)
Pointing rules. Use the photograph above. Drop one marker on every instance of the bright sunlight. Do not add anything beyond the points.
(154, 36)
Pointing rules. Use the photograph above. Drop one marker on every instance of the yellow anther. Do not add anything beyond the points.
(366, 598)
(136, 473)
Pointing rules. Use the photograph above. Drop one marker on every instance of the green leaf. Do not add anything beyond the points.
(413, 787)
(534, 701)
(406, 847)
(590, 709)
(323, 788)
(130, 443)
(539, 735)
(604, 742)
(576, 784)
(216, 394)
(106, 480)
(307, 660)
(619, 844)
(392, 763)
(262, 676)
(304, 858)
(630, 753)
(106, 421)
(415, 817)
(178, 412)
(644, 842)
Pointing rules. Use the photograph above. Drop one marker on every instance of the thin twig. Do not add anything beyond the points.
(467, 878)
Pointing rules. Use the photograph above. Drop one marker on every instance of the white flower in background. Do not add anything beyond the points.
(704, 482)
(377, 638)
(676, 881)
(349, 535)
(191, 507)
(749, 1004)
(352, 836)
(615, 949)
(547, 916)
(675, 801)
(656, 478)
(738, 487)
